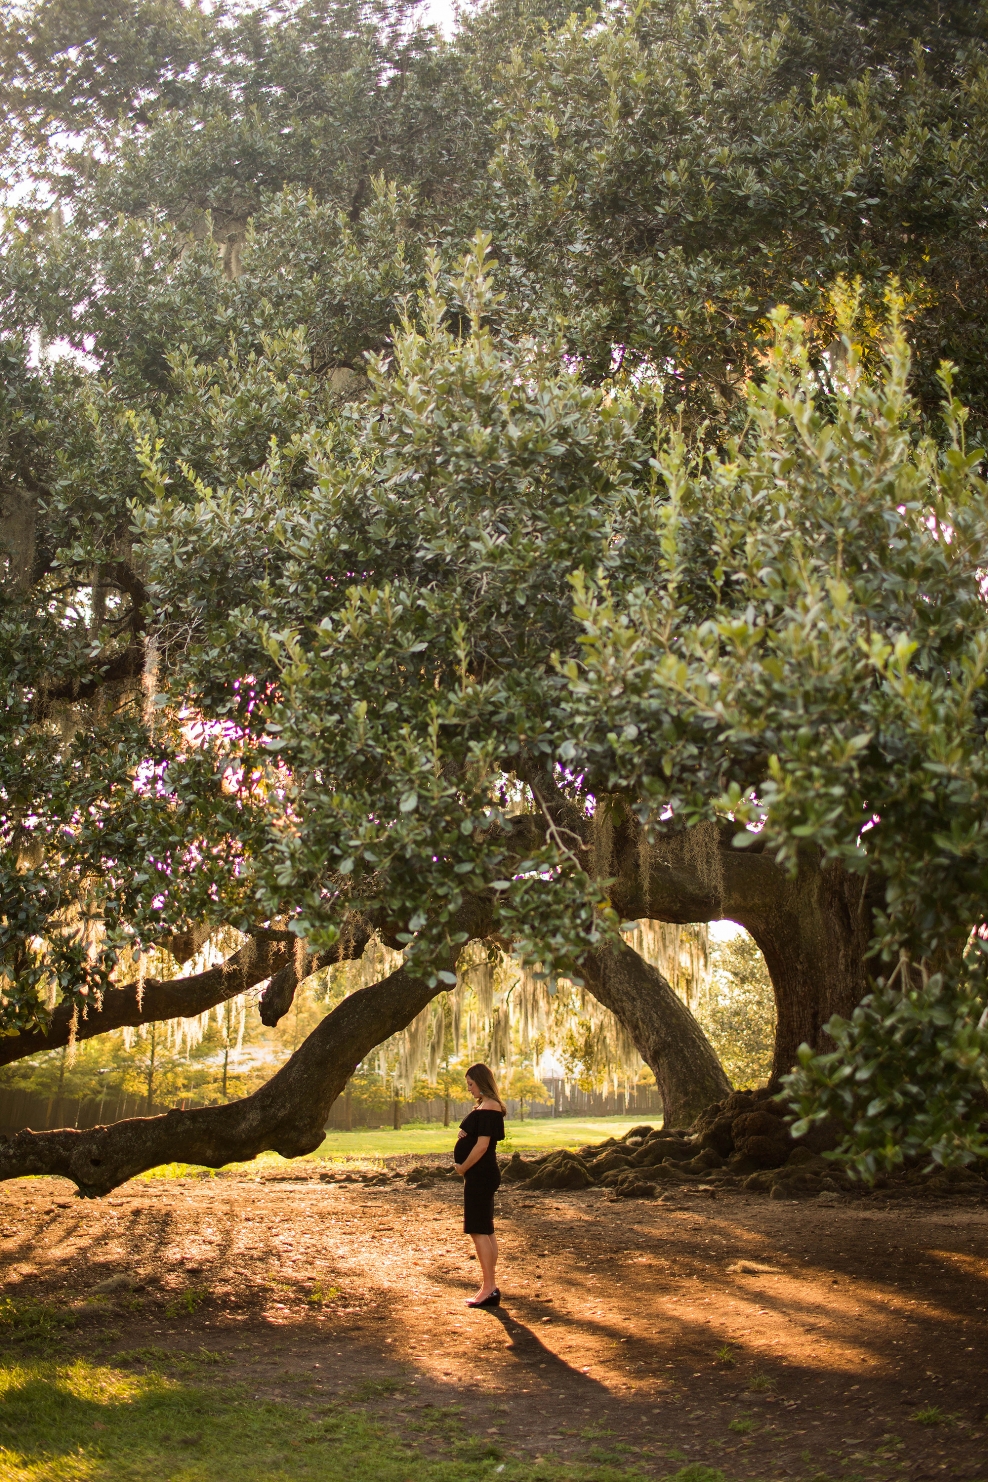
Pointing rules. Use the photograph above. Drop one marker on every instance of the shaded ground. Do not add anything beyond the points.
(632, 1332)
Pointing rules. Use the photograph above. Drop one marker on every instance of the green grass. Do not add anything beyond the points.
(23, 1319)
(429, 1137)
(368, 1146)
(87, 1422)
(931, 1415)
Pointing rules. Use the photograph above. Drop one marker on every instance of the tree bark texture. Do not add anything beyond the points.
(687, 1072)
(287, 1115)
(813, 927)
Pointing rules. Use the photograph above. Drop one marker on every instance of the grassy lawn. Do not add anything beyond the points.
(369, 1145)
(92, 1422)
(432, 1137)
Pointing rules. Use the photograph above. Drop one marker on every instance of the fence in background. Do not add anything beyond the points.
(20, 1109)
(567, 1101)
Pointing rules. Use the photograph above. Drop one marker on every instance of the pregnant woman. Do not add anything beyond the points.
(475, 1158)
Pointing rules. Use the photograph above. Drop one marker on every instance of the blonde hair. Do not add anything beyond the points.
(483, 1078)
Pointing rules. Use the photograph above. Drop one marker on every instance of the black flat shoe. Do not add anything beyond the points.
(494, 1300)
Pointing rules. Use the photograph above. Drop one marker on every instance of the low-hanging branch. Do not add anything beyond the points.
(287, 1115)
(262, 956)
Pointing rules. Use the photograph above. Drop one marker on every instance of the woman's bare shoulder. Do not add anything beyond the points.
(487, 1105)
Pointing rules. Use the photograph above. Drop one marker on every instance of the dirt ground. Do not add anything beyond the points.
(764, 1337)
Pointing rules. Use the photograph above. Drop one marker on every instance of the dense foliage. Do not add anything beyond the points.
(338, 359)
(829, 691)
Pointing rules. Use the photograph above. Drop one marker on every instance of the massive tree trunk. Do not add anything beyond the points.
(813, 937)
(287, 1115)
(813, 927)
(668, 1038)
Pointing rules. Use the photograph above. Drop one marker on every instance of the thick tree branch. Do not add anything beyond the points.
(668, 1038)
(178, 998)
(287, 1115)
(279, 995)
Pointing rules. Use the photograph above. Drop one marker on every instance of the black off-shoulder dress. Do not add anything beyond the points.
(481, 1182)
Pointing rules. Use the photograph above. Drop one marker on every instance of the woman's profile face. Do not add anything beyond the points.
(473, 1088)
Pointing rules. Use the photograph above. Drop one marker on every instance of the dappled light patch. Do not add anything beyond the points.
(732, 1334)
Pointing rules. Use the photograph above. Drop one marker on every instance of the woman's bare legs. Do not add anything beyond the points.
(486, 1248)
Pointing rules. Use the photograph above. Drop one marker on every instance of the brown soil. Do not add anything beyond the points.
(843, 1320)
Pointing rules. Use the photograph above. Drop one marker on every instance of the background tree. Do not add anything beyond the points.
(738, 1011)
(525, 1085)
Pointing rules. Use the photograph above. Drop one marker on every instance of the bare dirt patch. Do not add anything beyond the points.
(766, 1338)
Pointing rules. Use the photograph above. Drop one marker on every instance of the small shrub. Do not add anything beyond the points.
(148, 1355)
(760, 1382)
(478, 1450)
(726, 1355)
(210, 1356)
(26, 1320)
(742, 1427)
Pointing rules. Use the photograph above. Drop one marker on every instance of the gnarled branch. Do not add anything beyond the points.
(287, 1115)
(260, 957)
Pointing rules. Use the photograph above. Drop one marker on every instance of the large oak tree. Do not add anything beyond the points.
(296, 493)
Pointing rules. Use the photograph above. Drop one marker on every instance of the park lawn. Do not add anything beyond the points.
(84, 1421)
(538, 1135)
(369, 1146)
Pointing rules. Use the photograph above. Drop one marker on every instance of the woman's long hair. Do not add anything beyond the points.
(483, 1077)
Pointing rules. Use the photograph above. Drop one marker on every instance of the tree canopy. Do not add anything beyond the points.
(496, 488)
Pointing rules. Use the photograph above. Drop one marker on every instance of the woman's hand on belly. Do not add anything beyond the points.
(476, 1153)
